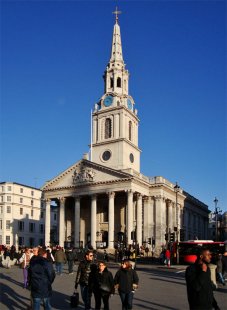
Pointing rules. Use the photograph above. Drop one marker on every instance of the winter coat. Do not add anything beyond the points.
(71, 256)
(41, 275)
(60, 257)
(101, 282)
(200, 288)
(125, 278)
(224, 263)
(84, 269)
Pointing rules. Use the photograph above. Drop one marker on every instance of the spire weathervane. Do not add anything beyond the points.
(116, 12)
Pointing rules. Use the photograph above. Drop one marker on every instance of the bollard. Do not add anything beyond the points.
(213, 273)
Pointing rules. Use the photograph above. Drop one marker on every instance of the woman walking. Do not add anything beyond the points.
(25, 260)
(126, 281)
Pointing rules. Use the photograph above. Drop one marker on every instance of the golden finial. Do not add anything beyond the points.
(116, 12)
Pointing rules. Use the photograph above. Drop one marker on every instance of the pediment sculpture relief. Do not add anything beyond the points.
(83, 175)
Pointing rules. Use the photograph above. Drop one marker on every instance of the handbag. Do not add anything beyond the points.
(74, 300)
(105, 288)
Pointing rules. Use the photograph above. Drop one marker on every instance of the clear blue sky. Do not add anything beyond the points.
(53, 55)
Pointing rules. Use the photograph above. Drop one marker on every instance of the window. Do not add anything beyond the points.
(55, 216)
(32, 193)
(7, 239)
(21, 190)
(41, 228)
(9, 188)
(0, 239)
(2, 188)
(21, 211)
(2, 199)
(0, 225)
(21, 240)
(41, 241)
(108, 128)
(21, 200)
(8, 199)
(41, 215)
(8, 209)
(130, 130)
(32, 212)
(8, 224)
(32, 203)
(1, 209)
(118, 82)
(31, 242)
(111, 82)
(20, 225)
(32, 227)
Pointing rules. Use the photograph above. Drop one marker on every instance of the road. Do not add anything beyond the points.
(159, 288)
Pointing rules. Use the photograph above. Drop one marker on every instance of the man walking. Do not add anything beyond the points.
(41, 276)
(199, 285)
(84, 269)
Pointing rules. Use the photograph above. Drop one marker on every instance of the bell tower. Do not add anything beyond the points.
(114, 118)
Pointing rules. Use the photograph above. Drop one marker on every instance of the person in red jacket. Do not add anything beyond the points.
(167, 257)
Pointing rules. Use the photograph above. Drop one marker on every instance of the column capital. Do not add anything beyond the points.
(61, 199)
(139, 196)
(47, 200)
(76, 197)
(94, 196)
(111, 194)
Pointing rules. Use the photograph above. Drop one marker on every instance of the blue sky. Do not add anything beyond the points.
(53, 55)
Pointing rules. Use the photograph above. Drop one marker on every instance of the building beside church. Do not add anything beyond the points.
(105, 199)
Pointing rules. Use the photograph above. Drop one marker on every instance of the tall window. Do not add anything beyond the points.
(21, 200)
(32, 193)
(1, 224)
(32, 227)
(21, 190)
(9, 188)
(8, 209)
(7, 239)
(20, 225)
(111, 82)
(107, 128)
(118, 82)
(41, 228)
(9, 198)
(8, 224)
(130, 130)
(21, 240)
(32, 203)
(21, 211)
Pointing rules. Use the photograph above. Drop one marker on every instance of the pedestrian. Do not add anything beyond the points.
(71, 256)
(102, 284)
(126, 281)
(199, 285)
(41, 276)
(224, 265)
(167, 257)
(7, 257)
(105, 256)
(82, 277)
(219, 269)
(24, 261)
(60, 259)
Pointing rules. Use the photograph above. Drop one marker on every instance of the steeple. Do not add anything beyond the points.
(116, 51)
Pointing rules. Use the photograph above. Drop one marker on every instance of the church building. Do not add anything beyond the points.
(104, 199)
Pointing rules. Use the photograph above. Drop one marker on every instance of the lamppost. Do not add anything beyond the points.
(217, 210)
(177, 189)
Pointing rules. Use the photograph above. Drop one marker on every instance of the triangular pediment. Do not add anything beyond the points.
(85, 172)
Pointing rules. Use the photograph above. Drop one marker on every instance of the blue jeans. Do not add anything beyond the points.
(86, 296)
(59, 267)
(126, 300)
(37, 302)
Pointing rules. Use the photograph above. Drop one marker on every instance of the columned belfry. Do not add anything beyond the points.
(106, 201)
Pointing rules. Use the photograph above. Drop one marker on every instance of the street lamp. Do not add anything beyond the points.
(217, 210)
(177, 189)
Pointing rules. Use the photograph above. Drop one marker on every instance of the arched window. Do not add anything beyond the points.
(108, 128)
(111, 82)
(118, 82)
(130, 130)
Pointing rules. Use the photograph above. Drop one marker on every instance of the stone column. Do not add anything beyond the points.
(77, 222)
(62, 222)
(93, 220)
(47, 222)
(129, 215)
(139, 220)
(111, 220)
(159, 233)
(170, 215)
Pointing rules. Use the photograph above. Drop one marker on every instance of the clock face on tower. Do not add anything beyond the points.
(129, 103)
(108, 101)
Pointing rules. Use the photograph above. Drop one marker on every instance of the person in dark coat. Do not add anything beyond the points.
(224, 265)
(199, 285)
(102, 284)
(71, 257)
(126, 281)
(41, 276)
(82, 277)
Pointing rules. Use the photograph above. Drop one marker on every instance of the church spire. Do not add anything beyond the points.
(116, 51)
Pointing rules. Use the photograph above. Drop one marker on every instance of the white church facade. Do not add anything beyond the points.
(105, 198)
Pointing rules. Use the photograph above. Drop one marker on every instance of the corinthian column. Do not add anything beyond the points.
(77, 222)
(129, 215)
(111, 221)
(62, 222)
(93, 220)
(139, 220)
(169, 215)
(47, 222)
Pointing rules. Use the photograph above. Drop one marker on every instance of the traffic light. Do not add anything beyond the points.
(181, 234)
(149, 241)
(153, 241)
(166, 236)
(172, 237)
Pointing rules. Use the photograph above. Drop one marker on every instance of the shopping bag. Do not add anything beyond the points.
(74, 300)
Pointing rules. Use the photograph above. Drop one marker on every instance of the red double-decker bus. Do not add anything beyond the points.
(188, 249)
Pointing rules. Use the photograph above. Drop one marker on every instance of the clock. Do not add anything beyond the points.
(106, 155)
(129, 104)
(108, 101)
(131, 157)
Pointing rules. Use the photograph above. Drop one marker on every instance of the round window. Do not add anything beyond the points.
(131, 157)
(106, 155)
